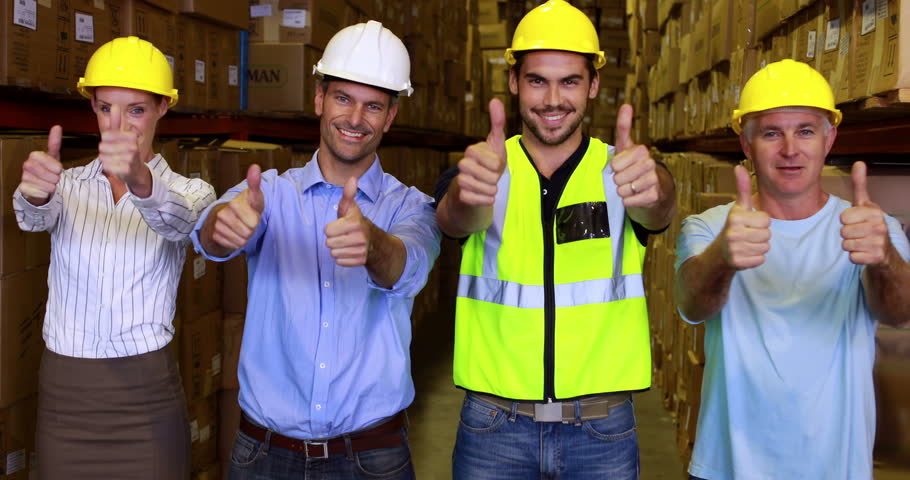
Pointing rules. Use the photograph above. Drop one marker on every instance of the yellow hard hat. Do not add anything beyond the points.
(786, 83)
(556, 25)
(129, 62)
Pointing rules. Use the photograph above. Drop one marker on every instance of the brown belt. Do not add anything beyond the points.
(591, 407)
(385, 435)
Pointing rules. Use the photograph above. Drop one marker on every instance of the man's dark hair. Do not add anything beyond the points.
(589, 62)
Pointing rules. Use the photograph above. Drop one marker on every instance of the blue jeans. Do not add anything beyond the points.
(497, 444)
(255, 460)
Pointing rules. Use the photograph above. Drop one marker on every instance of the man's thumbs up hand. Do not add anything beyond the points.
(746, 237)
(634, 171)
(349, 238)
(41, 171)
(864, 230)
(483, 163)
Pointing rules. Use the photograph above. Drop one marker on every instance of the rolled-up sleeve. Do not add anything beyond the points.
(418, 230)
(174, 205)
(33, 218)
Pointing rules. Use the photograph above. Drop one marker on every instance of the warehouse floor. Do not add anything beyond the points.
(434, 418)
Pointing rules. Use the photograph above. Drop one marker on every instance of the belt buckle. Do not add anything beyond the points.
(325, 449)
(548, 412)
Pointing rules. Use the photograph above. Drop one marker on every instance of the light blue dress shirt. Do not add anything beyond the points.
(325, 350)
(787, 391)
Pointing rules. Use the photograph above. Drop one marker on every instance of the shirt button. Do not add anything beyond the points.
(318, 407)
(322, 365)
(335, 207)
(545, 191)
(325, 324)
(327, 284)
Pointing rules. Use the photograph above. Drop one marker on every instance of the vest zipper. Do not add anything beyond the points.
(549, 309)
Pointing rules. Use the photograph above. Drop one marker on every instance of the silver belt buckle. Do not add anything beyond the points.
(548, 412)
(325, 449)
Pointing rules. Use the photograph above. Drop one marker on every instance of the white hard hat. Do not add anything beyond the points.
(368, 53)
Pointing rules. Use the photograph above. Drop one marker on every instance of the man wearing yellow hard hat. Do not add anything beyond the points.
(551, 334)
(337, 251)
(110, 400)
(791, 283)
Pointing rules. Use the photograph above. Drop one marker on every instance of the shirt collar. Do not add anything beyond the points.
(369, 183)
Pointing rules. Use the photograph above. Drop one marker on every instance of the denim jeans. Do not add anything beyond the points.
(497, 444)
(255, 460)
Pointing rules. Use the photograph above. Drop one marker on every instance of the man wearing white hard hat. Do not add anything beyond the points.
(337, 251)
(110, 400)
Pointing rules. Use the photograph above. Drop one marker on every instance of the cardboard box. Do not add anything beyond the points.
(204, 431)
(201, 356)
(837, 52)
(192, 69)
(494, 35)
(200, 286)
(767, 17)
(27, 42)
(700, 58)
(312, 22)
(808, 38)
(892, 374)
(17, 438)
(232, 13)
(891, 51)
(721, 32)
(22, 300)
(224, 59)
(148, 22)
(13, 241)
(95, 23)
(233, 337)
(280, 77)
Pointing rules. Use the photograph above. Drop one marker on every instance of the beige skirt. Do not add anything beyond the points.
(117, 418)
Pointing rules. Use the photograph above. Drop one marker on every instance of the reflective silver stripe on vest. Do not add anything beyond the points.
(512, 294)
(493, 238)
(616, 212)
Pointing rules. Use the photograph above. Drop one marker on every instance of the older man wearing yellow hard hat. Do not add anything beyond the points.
(791, 282)
(337, 251)
(551, 333)
(110, 399)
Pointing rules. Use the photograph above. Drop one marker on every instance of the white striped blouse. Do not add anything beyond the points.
(114, 267)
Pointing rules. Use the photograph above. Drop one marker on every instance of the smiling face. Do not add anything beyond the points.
(788, 149)
(353, 118)
(553, 89)
(139, 113)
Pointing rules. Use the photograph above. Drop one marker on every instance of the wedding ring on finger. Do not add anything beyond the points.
(634, 190)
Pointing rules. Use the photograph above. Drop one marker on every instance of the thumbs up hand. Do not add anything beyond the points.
(864, 230)
(238, 220)
(746, 237)
(349, 237)
(634, 170)
(119, 154)
(483, 163)
(41, 171)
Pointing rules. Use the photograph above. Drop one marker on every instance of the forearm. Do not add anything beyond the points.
(661, 214)
(886, 287)
(457, 219)
(386, 258)
(701, 286)
(207, 235)
(172, 208)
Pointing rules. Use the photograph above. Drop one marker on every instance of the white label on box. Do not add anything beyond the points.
(216, 364)
(233, 75)
(205, 433)
(832, 36)
(25, 14)
(200, 71)
(99, 4)
(736, 91)
(882, 7)
(293, 18)
(257, 11)
(468, 97)
(194, 431)
(868, 17)
(198, 267)
(15, 461)
(810, 49)
(85, 28)
(195, 175)
(170, 61)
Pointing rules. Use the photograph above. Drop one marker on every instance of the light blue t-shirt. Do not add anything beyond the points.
(787, 390)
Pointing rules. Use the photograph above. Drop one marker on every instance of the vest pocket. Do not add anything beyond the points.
(582, 221)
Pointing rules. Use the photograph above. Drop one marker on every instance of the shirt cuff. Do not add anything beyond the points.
(28, 207)
(158, 196)
(197, 244)
(407, 275)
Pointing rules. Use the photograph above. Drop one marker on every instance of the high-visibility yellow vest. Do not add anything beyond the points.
(553, 308)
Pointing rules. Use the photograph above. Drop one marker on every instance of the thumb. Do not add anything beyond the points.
(253, 183)
(347, 203)
(624, 128)
(497, 137)
(860, 187)
(744, 187)
(115, 118)
(54, 140)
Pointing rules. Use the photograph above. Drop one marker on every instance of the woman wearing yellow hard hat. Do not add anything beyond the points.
(110, 399)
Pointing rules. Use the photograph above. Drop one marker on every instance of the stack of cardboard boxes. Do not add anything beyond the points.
(47, 44)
